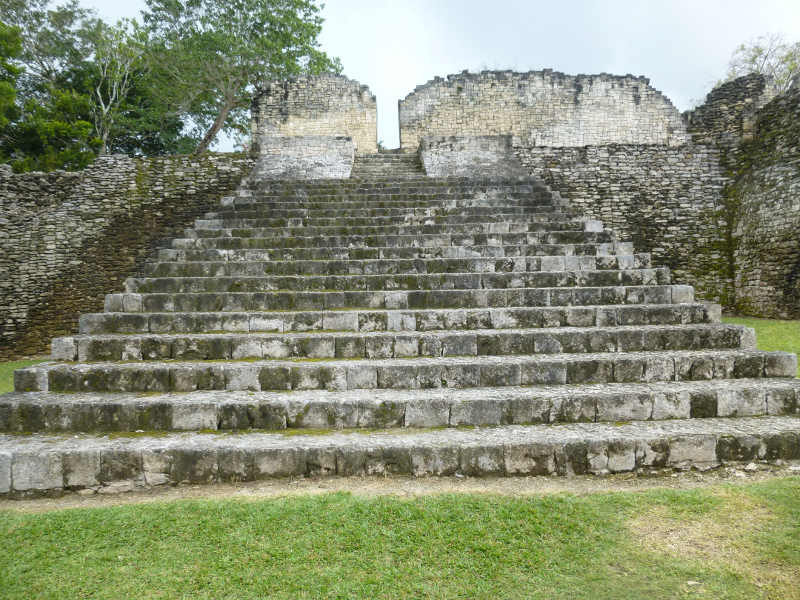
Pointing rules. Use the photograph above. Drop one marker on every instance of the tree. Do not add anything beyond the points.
(10, 48)
(53, 40)
(117, 63)
(209, 55)
(769, 54)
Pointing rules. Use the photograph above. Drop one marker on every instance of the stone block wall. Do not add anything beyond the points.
(667, 200)
(322, 105)
(68, 239)
(470, 156)
(765, 195)
(305, 157)
(541, 108)
(728, 115)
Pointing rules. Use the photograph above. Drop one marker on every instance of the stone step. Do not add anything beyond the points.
(441, 200)
(460, 184)
(568, 251)
(419, 241)
(380, 203)
(400, 320)
(393, 282)
(355, 213)
(44, 463)
(403, 344)
(382, 230)
(37, 412)
(419, 218)
(406, 373)
(402, 299)
(241, 268)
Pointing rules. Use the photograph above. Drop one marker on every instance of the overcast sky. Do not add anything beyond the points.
(392, 46)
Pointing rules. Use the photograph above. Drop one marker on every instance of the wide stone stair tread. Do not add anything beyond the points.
(72, 462)
(396, 299)
(394, 344)
(405, 373)
(573, 251)
(239, 268)
(417, 240)
(36, 412)
(402, 281)
(398, 320)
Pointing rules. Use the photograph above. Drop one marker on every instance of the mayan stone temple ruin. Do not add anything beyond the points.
(530, 285)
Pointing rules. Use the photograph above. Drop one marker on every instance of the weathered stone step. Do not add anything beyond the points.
(441, 200)
(331, 211)
(462, 185)
(392, 282)
(380, 230)
(395, 266)
(568, 251)
(407, 373)
(35, 412)
(47, 463)
(400, 320)
(457, 203)
(420, 241)
(357, 213)
(402, 299)
(403, 344)
(409, 219)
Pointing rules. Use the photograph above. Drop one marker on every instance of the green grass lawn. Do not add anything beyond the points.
(7, 373)
(772, 334)
(720, 542)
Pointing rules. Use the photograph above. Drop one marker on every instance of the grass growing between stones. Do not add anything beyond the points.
(719, 542)
(772, 334)
(7, 373)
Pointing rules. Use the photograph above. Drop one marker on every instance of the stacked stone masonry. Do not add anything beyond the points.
(667, 201)
(765, 198)
(541, 108)
(469, 156)
(457, 320)
(305, 157)
(67, 239)
(322, 105)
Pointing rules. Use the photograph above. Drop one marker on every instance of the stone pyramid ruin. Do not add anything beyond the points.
(395, 323)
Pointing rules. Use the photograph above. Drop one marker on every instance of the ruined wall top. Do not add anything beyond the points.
(542, 108)
(321, 105)
(728, 115)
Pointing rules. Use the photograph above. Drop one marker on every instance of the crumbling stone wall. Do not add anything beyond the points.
(764, 196)
(541, 108)
(728, 116)
(667, 201)
(68, 239)
(322, 105)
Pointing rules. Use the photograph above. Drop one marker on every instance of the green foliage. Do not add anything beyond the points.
(207, 56)
(52, 133)
(10, 49)
(769, 54)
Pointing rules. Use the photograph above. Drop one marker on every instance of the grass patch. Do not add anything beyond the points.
(772, 334)
(723, 542)
(7, 373)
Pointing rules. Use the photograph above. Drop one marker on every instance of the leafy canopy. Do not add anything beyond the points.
(208, 55)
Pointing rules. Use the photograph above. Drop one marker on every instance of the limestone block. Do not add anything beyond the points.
(37, 471)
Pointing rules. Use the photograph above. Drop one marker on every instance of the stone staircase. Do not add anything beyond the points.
(387, 166)
(398, 327)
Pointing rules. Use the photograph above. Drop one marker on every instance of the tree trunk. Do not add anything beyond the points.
(212, 133)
